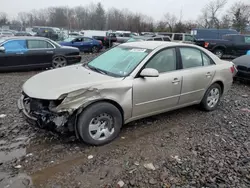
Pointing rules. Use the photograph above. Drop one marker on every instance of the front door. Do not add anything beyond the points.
(157, 94)
(197, 74)
(78, 43)
(14, 56)
(40, 53)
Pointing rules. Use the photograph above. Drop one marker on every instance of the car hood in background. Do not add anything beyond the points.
(52, 84)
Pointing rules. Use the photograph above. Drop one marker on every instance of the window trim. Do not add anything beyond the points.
(201, 51)
(41, 48)
(178, 65)
(14, 40)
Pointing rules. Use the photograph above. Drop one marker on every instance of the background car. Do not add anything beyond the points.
(128, 82)
(6, 34)
(242, 64)
(149, 38)
(84, 44)
(22, 33)
(25, 53)
(48, 32)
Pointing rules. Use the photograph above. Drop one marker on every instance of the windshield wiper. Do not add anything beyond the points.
(96, 69)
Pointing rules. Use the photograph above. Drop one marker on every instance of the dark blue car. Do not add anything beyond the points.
(84, 44)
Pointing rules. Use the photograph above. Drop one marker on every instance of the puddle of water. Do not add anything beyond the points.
(40, 177)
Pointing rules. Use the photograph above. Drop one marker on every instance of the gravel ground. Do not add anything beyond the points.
(184, 148)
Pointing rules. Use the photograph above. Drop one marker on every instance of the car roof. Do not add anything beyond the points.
(23, 38)
(153, 44)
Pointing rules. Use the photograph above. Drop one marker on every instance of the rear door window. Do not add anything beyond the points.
(247, 39)
(158, 39)
(191, 58)
(87, 40)
(189, 38)
(39, 44)
(178, 37)
(15, 46)
(166, 39)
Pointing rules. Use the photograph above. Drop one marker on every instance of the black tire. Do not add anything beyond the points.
(93, 111)
(95, 49)
(219, 52)
(63, 62)
(204, 103)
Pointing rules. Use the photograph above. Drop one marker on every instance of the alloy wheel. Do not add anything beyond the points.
(213, 97)
(59, 62)
(101, 127)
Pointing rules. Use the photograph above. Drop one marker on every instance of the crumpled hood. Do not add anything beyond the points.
(54, 83)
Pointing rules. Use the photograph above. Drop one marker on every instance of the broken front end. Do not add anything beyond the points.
(41, 112)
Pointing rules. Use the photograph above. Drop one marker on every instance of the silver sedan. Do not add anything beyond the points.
(128, 82)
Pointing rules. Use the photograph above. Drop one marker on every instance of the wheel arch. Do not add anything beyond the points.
(116, 104)
(220, 83)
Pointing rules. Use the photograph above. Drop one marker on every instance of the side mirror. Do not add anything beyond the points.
(149, 72)
(2, 49)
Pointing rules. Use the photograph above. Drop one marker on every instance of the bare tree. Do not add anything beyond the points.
(170, 21)
(210, 14)
(3, 18)
(240, 15)
(225, 22)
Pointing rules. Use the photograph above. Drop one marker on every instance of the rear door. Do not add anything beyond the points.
(40, 53)
(14, 55)
(197, 73)
(87, 44)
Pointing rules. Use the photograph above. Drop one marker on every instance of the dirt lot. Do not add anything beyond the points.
(183, 148)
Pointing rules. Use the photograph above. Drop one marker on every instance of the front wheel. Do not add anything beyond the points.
(99, 124)
(211, 98)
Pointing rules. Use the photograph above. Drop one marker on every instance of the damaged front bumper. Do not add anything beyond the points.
(38, 112)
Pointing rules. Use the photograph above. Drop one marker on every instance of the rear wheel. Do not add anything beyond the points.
(95, 49)
(211, 98)
(59, 61)
(99, 124)
(219, 53)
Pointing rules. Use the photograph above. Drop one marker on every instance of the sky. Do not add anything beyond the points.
(189, 9)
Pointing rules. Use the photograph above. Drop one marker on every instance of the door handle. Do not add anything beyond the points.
(176, 81)
(19, 53)
(49, 52)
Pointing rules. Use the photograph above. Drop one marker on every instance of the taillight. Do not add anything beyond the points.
(206, 44)
(232, 69)
(105, 38)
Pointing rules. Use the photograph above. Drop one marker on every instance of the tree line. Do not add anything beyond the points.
(95, 17)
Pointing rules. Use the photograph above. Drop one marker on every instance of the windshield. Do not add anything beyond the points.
(119, 61)
(69, 39)
(134, 40)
